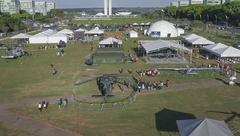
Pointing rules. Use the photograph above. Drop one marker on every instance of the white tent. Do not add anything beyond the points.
(21, 36)
(194, 39)
(110, 40)
(133, 34)
(95, 31)
(223, 51)
(162, 44)
(163, 29)
(67, 32)
(81, 30)
(56, 38)
(203, 127)
(48, 36)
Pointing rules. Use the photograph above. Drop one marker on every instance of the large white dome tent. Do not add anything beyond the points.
(163, 29)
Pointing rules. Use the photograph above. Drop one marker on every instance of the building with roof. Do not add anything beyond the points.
(21, 38)
(196, 40)
(50, 6)
(9, 6)
(28, 6)
(203, 127)
(110, 43)
(163, 29)
(222, 51)
(41, 7)
(162, 51)
(192, 2)
(95, 32)
(133, 34)
(67, 32)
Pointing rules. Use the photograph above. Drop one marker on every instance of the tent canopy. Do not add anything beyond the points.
(162, 44)
(222, 50)
(203, 127)
(197, 40)
(66, 31)
(21, 36)
(81, 30)
(110, 41)
(94, 31)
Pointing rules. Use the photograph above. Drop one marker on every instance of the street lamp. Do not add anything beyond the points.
(216, 19)
(226, 20)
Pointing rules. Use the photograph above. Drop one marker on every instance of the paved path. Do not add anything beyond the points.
(41, 128)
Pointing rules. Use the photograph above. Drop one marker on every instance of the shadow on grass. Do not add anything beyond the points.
(166, 119)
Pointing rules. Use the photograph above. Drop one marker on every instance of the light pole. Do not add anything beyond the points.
(226, 20)
(216, 19)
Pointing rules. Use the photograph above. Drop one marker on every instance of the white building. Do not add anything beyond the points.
(41, 7)
(110, 43)
(191, 2)
(108, 7)
(133, 34)
(123, 13)
(164, 29)
(50, 6)
(213, 2)
(9, 6)
(28, 6)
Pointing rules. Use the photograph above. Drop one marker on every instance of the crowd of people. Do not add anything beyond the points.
(151, 86)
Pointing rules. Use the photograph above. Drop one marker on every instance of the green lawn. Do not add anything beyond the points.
(152, 114)
(30, 77)
(218, 36)
(114, 21)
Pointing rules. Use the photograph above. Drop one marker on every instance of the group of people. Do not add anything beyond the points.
(153, 72)
(151, 86)
(62, 102)
(43, 106)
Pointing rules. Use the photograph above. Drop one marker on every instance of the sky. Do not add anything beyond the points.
(116, 3)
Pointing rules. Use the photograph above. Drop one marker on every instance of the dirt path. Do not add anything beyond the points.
(40, 128)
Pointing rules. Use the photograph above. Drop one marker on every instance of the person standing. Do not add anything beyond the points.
(40, 106)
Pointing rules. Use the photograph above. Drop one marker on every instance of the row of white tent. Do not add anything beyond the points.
(223, 51)
(52, 36)
(45, 37)
(194, 39)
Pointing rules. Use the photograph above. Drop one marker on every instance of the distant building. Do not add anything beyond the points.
(9, 6)
(192, 2)
(183, 3)
(213, 2)
(41, 7)
(174, 4)
(50, 6)
(28, 6)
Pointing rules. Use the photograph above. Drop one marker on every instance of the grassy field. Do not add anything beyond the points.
(114, 21)
(30, 77)
(152, 114)
(9, 131)
(218, 36)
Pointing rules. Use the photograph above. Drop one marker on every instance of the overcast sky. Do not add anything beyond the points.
(116, 3)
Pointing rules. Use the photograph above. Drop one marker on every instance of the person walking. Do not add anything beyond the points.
(40, 106)
(60, 102)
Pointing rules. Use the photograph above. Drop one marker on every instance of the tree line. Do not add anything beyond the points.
(16, 22)
(225, 14)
